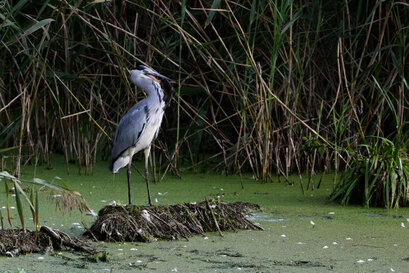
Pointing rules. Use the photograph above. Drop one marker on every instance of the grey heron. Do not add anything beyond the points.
(139, 127)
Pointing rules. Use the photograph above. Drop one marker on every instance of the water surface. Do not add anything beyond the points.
(303, 233)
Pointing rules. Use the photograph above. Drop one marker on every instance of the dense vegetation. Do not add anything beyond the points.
(270, 87)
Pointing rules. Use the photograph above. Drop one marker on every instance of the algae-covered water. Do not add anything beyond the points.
(303, 233)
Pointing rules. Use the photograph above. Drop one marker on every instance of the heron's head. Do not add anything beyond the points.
(143, 75)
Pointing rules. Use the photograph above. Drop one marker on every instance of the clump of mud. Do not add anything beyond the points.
(18, 241)
(146, 223)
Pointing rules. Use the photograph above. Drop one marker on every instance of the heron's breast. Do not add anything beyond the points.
(151, 130)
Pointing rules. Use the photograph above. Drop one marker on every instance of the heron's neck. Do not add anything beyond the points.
(154, 92)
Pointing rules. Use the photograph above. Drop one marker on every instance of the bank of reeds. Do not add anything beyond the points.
(270, 87)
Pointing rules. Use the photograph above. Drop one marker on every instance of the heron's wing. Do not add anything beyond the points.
(129, 129)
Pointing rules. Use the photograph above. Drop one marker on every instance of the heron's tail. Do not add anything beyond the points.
(118, 163)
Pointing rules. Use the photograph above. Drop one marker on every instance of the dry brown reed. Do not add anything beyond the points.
(263, 86)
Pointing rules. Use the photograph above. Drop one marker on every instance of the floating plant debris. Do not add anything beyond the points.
(15, 242)
(147, 223)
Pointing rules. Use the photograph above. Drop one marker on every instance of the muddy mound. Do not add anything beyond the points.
(146, 223)
(18, 241)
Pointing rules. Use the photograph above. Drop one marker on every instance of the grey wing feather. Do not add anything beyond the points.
(129, 130)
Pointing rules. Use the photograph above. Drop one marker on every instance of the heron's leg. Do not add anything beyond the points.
(129, 182)
(147, 152)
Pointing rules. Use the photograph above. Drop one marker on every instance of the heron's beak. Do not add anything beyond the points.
(155, 76)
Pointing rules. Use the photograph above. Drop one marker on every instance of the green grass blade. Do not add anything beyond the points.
(388, 99)
(32, 210)
(212, 12)
(366, 184)
(7, 192)
(37, 26)
(37, 211)
(18, 204)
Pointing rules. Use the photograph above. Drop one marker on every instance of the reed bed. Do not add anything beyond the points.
(268, 87)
